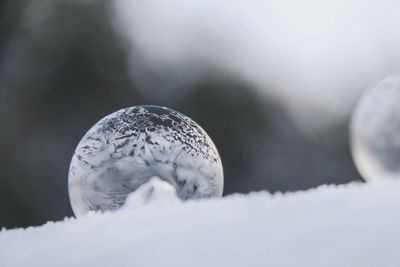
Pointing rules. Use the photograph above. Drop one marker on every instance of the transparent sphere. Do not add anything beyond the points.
(375, 131)
(125, 149)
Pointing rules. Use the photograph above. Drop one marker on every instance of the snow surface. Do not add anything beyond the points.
(349, 225)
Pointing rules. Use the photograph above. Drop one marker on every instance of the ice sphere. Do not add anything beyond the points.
(125, 149)
(375, 131)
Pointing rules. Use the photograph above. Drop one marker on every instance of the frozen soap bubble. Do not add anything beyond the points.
(125, 149)
(375, 131)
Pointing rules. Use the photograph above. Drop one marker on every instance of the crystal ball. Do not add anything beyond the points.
(125, 149)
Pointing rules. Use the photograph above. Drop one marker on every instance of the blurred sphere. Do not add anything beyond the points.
(125, 149)
(375, 131)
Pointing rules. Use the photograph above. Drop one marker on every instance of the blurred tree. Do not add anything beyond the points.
(63, 67)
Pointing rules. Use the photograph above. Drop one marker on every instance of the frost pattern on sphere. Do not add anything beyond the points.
(375, 131)
(126, 148)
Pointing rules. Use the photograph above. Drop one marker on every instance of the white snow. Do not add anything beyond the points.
(155, 192)
(349, 225)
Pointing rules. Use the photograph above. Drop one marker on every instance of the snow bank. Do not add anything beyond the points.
(351, 225)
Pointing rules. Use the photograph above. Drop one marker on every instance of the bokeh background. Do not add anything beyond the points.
(272, 82)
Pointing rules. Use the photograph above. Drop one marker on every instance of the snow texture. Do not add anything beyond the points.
(349, 225)
(154, 192)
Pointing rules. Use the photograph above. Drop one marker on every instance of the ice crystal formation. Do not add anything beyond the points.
(125, 149)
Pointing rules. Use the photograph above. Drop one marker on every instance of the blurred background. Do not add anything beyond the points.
(272, 82)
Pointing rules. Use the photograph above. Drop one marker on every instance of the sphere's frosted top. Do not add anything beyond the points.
(125, 149)
(375, 131)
